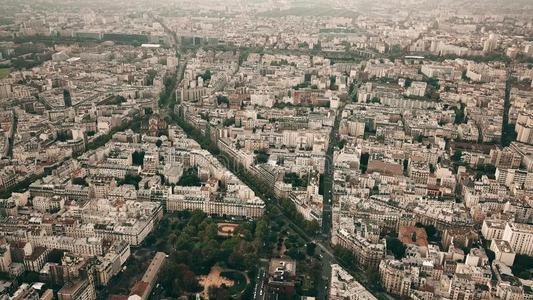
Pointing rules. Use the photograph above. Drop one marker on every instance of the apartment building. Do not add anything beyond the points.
(520, 237)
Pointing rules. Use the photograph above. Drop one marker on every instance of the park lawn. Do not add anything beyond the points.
(4, 72)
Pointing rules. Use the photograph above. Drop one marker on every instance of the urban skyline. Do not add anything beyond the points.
(277, 149)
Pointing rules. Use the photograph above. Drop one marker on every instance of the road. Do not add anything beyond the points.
(328, 172)
(507, 102)
(170, 33)
(322, 242)
(327, 256)
(179, 73)
(260, 291)
(182, 64)
(11, 138)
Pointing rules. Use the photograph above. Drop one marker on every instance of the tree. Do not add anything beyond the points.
(197, 217)
(21, 63)
(295, 253)
(395, 246)
(395, 51)
(490, 254)
(228, 122)
(431, 231)
(55, 256)
(345, 256)
(137, 158)
(222, 100)
(67, 99)
(508, 135)
(236, 260)
(456, 157)
(149, 79)
(373, 277)
(341, 143)
(130, 179)
(261, 156)
(375, 190)
(486, 169)
(168, 279)
(460, 116)
(190, 178)
(304, 45)
(332, 83)
(301, 85)
(523, 266)
(312, 226)
(187, 278)
(219, 293)
(207, 231)
(183, 242)
(261, 229)
(62, 136)
(117, 100)
(206, 76)
(364, 162)
(79, 181)
(167, 98)
(172, 240)
(295, 180)
(158, 143)
(310, 249)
